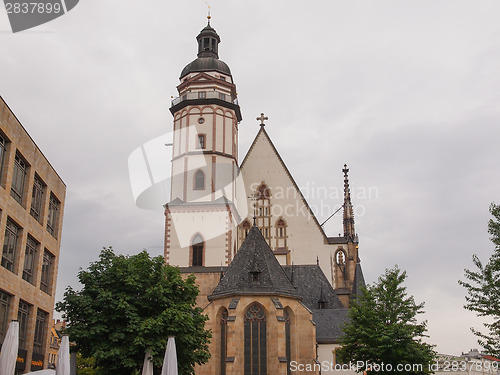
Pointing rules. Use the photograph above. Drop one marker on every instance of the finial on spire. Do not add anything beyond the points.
(253, 197)
(262, 118)
(208, 16)
(348, 211)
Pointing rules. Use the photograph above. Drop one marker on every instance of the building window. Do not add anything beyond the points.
(223, 341)
(18, 178)
(255, 341)
(37, 199)
(222, 96)
(47, 270)
(10, 245)
(40, 329)
(197, 251)
(3, 143)
(288, 339)
(201, 141)
(30, 259)
(199, 180)
(202, 94)
(54, 205)
(23, 316)
(281, 243)
(4, 314)
(263, 211)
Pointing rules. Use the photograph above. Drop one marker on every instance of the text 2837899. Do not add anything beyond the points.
(33, 8)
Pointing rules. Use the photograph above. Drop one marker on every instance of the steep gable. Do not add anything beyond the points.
(254, 257)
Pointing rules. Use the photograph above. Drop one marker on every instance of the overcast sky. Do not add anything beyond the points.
(406, 92)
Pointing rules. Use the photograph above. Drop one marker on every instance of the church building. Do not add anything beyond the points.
(275, 286)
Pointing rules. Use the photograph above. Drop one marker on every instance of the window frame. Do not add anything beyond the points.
(12, 234)
(255, 322)
(5, 300)
(41, 324)
(201, 142)
(32, 245)
(53, 215)
(18, 183)
(47, 272)
(23, 317)
(196, 185)
(37, 198)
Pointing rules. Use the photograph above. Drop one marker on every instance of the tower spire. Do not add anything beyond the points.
(348, 211)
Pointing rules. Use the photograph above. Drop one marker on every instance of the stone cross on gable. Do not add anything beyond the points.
(262, 118)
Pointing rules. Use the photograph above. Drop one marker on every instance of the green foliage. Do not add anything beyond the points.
(483, 288)
(86, 366)
(383, 328)
(131, 304)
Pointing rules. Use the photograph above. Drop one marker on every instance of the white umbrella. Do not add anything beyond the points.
(62, 367)
(42, 372)
(170, 360)
(10, 347)
(147, 367)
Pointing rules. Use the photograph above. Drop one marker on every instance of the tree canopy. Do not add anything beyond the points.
(383, 333)
(131, 304)
(483, 289)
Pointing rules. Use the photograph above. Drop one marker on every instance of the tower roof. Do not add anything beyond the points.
(208, 54)
(254, 271)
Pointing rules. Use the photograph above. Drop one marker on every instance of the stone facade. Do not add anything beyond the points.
(32, 203)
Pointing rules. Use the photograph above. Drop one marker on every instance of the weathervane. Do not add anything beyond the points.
(209, 16)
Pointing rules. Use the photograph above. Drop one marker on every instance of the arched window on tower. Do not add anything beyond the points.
(197, 251)
(243, 230)
(281, 242)
(199, 180)
(255, 341)
(223, 340)
(263, 211)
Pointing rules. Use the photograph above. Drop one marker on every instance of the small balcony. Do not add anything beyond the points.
(205, 95)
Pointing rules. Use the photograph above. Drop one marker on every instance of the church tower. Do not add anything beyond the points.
(201, 213)
(347, 273)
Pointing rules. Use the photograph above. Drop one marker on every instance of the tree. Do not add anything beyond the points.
(483, 288)
(131, 304)
(383, 333)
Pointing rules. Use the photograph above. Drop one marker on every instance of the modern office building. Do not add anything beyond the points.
(31, 211)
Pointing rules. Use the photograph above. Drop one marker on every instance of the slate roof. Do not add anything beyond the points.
(206, 64)
(254, 256)
(329, 324)
(311, 284)
(359, 281)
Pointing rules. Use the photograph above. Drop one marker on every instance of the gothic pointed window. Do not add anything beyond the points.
(281, 238)
(263, 211)
(255, 341)
(197, 251)
(223, 341)
(199, 180)
(287, 314)
(243, 230)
